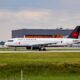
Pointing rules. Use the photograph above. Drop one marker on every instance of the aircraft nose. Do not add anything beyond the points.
(6, 43)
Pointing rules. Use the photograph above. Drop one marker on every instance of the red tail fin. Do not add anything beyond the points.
(75, 33)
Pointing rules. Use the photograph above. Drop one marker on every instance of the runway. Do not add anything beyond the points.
(53, 51)
(48, 49)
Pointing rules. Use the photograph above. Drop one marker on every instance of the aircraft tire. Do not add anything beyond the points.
(40, 49)
(44, 49)
(28, 48)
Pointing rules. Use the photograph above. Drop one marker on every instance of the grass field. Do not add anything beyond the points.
(40, 66)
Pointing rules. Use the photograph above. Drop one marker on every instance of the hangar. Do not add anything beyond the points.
(40, 33)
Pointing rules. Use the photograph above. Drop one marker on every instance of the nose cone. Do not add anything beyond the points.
(6, 44)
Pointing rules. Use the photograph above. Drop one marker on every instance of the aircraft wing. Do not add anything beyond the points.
(44, 44)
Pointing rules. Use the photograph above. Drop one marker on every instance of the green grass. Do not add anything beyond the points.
(54, 77)
(40, 66)
(12, 48)
(23, 58)
(41, 77)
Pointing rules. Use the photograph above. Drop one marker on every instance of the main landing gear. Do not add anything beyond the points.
(36, 48)
(42, 49)
(33, 48)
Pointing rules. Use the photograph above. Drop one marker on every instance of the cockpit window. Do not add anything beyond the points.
(10, 40)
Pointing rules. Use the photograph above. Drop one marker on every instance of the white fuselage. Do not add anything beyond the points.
(41, 41)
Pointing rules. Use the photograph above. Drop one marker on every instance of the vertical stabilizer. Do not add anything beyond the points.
(75, 33)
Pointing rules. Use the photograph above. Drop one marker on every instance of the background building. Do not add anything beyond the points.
(40, 33)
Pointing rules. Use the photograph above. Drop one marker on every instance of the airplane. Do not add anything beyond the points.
(41, 43)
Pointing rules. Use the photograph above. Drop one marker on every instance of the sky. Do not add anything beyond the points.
(37, 14)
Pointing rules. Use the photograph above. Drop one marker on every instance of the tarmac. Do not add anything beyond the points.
(53, 51)
(49, 49)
